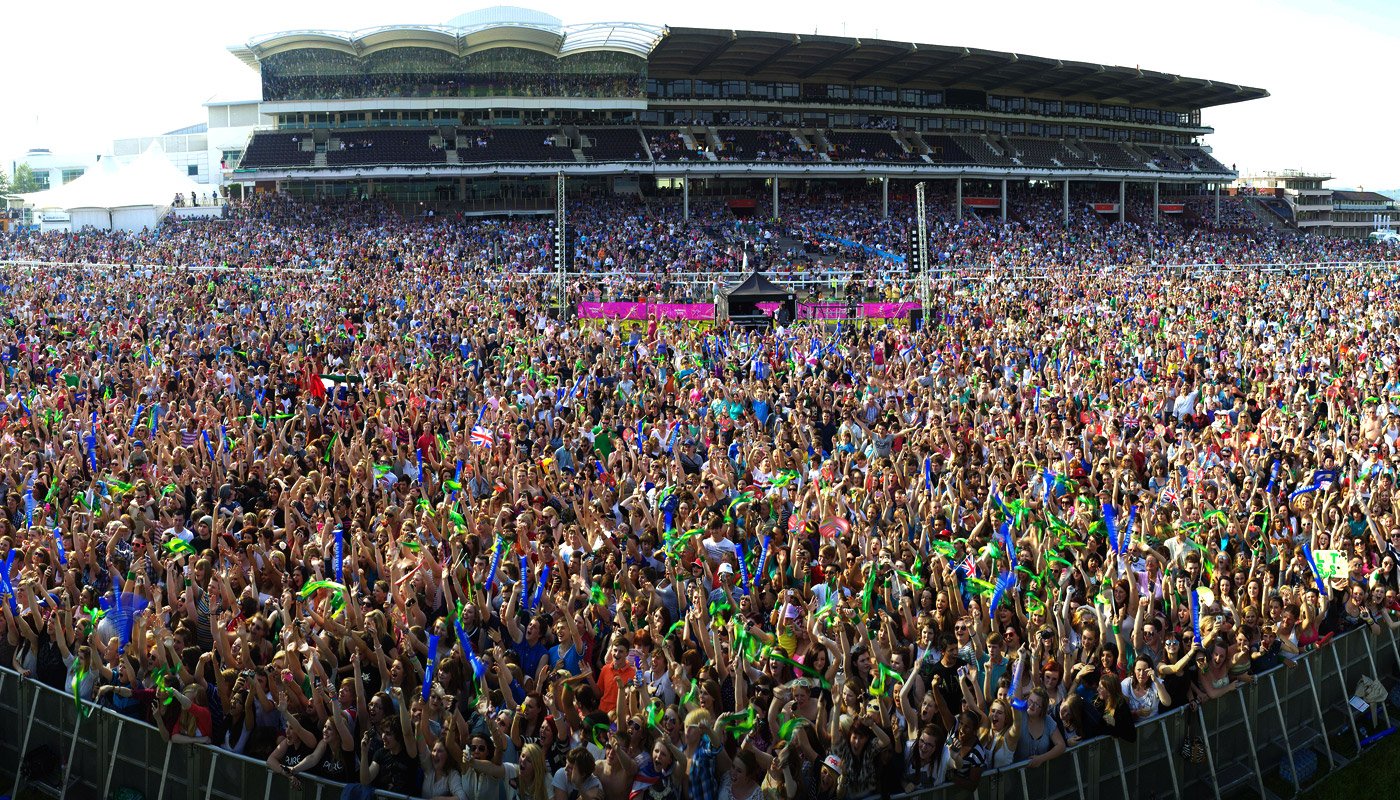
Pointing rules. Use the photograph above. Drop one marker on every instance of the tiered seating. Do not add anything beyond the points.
(381, 147)
(615, 144)
(1203, 160)
(1167, 158)
(944, 150)
(749, 144)
(1049, 153)
(277, 149)
(668, 145)
(866, 146)
(510, 145)
(1110, 155)
(981, 152)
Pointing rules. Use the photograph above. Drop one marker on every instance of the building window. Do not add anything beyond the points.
(70, 175)
(192, 170)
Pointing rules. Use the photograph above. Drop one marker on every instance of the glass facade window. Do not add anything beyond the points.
(318, 73)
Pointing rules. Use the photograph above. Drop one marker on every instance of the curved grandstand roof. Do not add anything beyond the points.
(708, 52)
(491, 27)
(765, 56)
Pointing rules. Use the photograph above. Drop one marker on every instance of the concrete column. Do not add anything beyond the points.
(1003, 199)
(1156, 202)
(461, 189)
(1122, 200)
(685, 197)
(957, 200)
(1217, 204)
(775, 197)
(1066, 203)
(885, 197)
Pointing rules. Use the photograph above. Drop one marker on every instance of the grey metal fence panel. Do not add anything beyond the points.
(1251, 734)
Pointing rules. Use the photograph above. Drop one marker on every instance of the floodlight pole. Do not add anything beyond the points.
(561, 251)
(925, 288)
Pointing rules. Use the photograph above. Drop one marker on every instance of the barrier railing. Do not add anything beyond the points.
(779, 274)
(1266, 729)
(1287, 717)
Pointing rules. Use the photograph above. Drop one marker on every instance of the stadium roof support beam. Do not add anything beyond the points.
(920, 74)
(885, 64)
(1053, 77)
(1088, 83)
(972, 77)
(718, 51)
(773, 57)
(830, 61)
(1188, 93)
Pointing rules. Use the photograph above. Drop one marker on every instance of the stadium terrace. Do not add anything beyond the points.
(490, 105)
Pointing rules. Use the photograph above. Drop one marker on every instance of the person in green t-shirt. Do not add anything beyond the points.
(603, 438)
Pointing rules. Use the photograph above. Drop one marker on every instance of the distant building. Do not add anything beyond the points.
(1357, 213)
(208, 151)
(1301, 200)
(186, 148)
(52, 170)
(231, 125)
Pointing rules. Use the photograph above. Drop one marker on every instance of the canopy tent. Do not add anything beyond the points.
(115, 196)
(753, 300)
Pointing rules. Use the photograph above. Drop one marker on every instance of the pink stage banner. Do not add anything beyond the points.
(830, 311)
(821, 310)
(692, 312)
(641, 311)
(887, 310)
(768, 308)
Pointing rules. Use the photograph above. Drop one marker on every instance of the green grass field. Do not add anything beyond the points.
(1376, 774)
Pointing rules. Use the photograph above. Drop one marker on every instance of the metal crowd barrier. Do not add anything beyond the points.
(815, 276)
(1255, 733)
(1260, 731)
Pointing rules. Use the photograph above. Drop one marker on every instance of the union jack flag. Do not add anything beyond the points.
(1169, 495)
(968, 566)
(482, 437)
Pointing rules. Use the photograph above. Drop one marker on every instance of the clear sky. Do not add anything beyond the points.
(82, 73)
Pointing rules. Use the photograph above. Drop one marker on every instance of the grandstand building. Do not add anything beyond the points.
(485, 110)
(1299, 200)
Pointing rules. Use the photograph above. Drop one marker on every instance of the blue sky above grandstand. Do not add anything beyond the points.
(137, 68)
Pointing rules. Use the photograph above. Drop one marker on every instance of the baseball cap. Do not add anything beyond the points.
(832, 762)
(726, 568)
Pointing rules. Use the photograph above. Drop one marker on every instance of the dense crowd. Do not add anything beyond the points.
(386, 522)
(648, 238)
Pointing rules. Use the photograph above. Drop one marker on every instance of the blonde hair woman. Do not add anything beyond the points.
(531, 782)
(1000, 734)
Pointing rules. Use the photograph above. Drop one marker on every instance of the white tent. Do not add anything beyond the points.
(113, 196)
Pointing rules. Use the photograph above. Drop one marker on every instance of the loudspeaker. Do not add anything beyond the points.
(916, 319)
